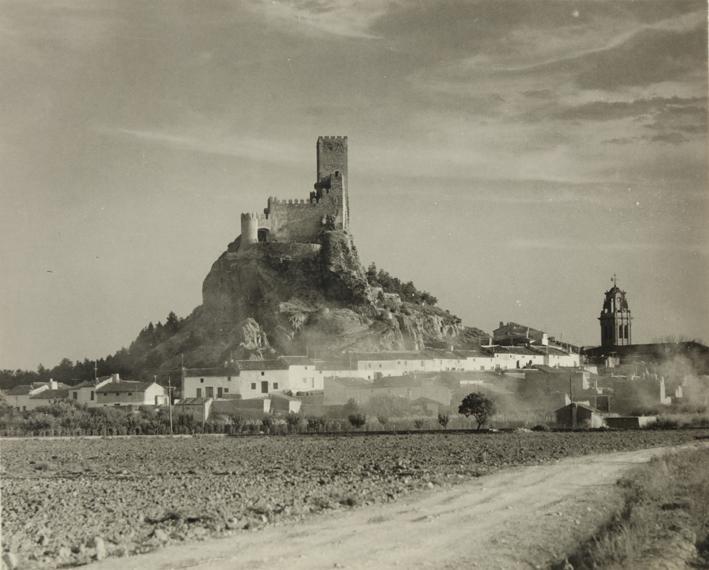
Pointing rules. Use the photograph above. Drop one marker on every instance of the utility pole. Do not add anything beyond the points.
(95, 372)
(182, 375)
(169, 399)
(573, 407)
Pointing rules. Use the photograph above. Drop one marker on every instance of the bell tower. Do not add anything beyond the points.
(615, 318)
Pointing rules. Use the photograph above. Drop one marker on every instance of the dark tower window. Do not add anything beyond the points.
(263, 235)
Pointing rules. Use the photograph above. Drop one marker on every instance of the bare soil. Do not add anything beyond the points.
(72, 501)
(521, 518)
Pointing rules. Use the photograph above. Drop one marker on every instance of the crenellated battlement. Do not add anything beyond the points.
(274, 202)
(332, 138)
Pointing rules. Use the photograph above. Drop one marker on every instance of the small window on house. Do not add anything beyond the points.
(117, 394)
(199, 392)
(130, 393)
(262, 373)
(92, 395)
(228, 378)
(253, 385)
(76, 395)
(201, 380)
(226, 390)
(275, 385)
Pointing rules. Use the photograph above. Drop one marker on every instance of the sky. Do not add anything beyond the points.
(507, 156)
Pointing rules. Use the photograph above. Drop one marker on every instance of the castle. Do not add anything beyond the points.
(301, 221)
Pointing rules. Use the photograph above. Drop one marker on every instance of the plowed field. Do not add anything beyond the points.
(70, 501)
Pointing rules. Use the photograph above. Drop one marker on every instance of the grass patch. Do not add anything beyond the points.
(665, 515)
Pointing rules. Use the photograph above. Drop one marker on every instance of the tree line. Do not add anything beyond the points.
(390, 284)
(136, 361)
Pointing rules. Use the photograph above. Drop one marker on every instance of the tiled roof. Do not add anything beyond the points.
(50, 395)
(548, 350)
(21, 390)
(296, 360)
(124, 386)
(399, 382)
(516, 329)
(403, 355)
(274, 364)
(210, 372)
(473, 353)
(82, 385)
(334, 365)
(579, 405)
(351, 382)
(514, 350)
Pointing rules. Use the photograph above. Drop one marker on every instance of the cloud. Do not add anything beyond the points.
(212, 143)
(611, 110)
(346, 18)
(649, 57)
(670, 138)
(538, 93)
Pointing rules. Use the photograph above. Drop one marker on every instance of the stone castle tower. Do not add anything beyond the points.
(302, 221)
(615, 318)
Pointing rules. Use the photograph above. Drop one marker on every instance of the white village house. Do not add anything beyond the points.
(120, 392)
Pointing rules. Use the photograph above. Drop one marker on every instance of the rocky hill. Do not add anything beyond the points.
(297, 298)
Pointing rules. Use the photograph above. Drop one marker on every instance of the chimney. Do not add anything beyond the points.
(116, 377)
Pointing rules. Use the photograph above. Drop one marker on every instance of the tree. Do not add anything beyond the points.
(479, 406)
(172, 323)
(443, 419)
(357, 420)
(350, 407)
(372, 274)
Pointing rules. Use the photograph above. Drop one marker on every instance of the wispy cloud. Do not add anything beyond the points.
(348, 18)
(251, 148)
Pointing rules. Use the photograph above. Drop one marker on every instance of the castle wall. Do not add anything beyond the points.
(302, 221)
(298, 221)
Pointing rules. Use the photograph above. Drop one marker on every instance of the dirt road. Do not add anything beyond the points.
(518, 518)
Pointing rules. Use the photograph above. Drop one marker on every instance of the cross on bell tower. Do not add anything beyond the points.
(615, 317)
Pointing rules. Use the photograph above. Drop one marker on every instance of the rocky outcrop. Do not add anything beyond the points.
(296, 298)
